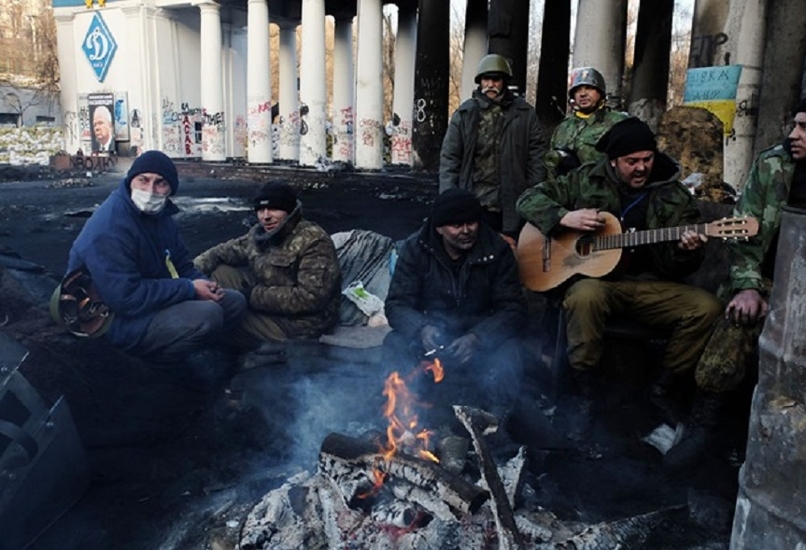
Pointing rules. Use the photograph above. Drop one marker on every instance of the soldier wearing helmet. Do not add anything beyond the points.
(574, 140)
(494, 146)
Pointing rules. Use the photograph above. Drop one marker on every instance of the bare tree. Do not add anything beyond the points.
(457, 46)
(30, 64)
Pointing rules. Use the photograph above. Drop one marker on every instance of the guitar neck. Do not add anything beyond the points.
(647, 236)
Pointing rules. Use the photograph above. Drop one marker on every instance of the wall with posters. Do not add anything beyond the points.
(150, 81)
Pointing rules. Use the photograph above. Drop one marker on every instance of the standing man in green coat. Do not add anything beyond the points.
(494, 146)
(639, 185)
(287, 269)
(574, 140)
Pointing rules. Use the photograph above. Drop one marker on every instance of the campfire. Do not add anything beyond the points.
(391, 491)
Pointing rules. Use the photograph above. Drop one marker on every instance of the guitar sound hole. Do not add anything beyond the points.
(585, 246)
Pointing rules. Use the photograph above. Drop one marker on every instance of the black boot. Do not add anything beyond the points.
(700, 435)
(580, 416)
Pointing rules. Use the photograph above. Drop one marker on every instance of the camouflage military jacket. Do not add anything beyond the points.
(766, 191)
(596, 186)
(296, 273)
(580, 135)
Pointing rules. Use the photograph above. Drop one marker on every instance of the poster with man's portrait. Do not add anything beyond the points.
(102, 123)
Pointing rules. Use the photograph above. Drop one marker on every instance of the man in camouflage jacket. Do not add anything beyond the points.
(494, 146)
(286, 267)
(574, 140)
(637, 184)
(777, 178)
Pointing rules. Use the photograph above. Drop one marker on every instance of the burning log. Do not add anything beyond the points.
(477, 422)
(351, 463)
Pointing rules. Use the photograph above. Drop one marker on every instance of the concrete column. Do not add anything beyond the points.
(431, 84)
(781, 81)
(312, 90)
(742, 44)
(235, 73)
(508, 28)
(599, 41)
(403, 104)
(66, 46)
(653, 41)
(369, 87)
(288, 146)
(343, 92)
(212, 96)
(258, 84)
(552, 76)
(475, 44)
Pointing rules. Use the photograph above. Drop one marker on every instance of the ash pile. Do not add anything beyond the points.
(397, 490)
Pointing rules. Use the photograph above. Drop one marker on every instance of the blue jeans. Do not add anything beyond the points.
(178, 330)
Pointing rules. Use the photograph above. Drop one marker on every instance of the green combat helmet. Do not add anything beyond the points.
(76, 306)
(586, 76)
(493, 64)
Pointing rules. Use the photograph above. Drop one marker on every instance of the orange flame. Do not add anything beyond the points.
(402, 431)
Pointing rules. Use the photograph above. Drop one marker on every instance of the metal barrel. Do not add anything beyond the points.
(771, 504)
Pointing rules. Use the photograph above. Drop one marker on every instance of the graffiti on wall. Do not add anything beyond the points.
(259, 124)
(213, 133)
(401, 143)
(289, 131)
(371, 131)
(240, 137)
(703, 49)
(181, 129)
(343, 145)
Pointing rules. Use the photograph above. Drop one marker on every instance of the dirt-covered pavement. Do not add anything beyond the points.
(178, 471)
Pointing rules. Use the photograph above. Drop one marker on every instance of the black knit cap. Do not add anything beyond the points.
(155, 162)
(800, 107)
(455, 206)
(628, 136)
(276, 195)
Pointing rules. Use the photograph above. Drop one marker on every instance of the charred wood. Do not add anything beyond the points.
(350, 463)
(477, 423)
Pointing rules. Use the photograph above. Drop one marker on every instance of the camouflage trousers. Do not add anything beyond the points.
(256, 327)
(730, 352)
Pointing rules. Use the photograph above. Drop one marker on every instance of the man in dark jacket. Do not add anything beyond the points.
(163, 307)
(456, 293)
(494, 146)
(287, 268)
(637, 184)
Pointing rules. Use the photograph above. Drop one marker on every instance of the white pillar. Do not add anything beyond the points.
(288, 147)
(745, 47)
(312, 89)
(258, 84)
(235, 74)
(475, 44)
(212, 96)
(343, 86)
(403, 104)
(599, 39)
(369, 87)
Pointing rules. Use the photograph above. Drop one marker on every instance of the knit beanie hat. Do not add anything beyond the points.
(800, 107)
(455, 206)
(155, 162)
(276, 195)
(628, 136)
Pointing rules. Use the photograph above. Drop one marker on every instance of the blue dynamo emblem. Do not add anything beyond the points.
(99, 46)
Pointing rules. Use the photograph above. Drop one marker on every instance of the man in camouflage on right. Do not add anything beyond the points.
(777, 179)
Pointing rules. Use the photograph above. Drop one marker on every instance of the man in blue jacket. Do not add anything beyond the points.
(163, 307)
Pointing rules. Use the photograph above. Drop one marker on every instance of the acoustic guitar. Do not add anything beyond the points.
(546, 263)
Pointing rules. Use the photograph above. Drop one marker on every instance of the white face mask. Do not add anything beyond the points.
(148, 203)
